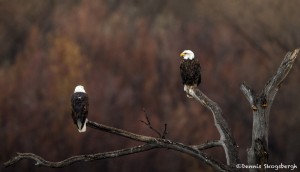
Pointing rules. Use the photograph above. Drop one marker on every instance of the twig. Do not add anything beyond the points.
(165, 132)
(148, 123)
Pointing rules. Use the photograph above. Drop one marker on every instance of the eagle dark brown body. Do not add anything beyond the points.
(190, 71)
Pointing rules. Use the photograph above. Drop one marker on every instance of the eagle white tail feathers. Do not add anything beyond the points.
(187, 88)
(79, 124)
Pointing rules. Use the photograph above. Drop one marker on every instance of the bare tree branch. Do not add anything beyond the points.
(250, 95)
(80, 158)
(208, 145)
(226, 138)
(123, 133)
(151, 143)
(258, 153)
(164, 143)
(274, 83)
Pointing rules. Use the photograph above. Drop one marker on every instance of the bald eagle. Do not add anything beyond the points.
(190, 70)
(80, 105)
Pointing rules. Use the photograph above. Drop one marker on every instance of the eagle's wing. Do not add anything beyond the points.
(197, 71)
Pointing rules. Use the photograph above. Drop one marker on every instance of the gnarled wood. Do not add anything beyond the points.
(226, 139)
(261, 105)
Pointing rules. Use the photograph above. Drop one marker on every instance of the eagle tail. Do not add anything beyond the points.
(81, 128)
(186, 88)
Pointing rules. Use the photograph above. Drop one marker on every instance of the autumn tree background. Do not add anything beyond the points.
(126, 54)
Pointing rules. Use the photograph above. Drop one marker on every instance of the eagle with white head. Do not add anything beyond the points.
(190, 70)
(80, 105)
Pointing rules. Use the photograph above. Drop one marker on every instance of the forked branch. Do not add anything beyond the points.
(148, 123)
(261, 105)
(150, 143)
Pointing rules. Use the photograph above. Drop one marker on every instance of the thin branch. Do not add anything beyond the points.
(165, 132)
(226, 138)
(250, 95)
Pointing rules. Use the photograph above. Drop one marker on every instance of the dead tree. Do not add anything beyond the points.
(261, 104)
(257, 154)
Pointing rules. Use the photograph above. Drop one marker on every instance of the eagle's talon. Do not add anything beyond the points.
(189, 96)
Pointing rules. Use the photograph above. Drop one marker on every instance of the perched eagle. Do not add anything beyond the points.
(190, 70)
(80, 105)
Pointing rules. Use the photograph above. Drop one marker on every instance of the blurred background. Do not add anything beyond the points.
(126, 54)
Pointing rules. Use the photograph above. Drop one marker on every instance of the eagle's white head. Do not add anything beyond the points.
(187, 54)
(79, 88)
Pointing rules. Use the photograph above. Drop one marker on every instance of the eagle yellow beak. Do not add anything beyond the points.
(182, 54)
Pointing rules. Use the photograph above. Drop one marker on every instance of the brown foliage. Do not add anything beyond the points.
(126, 53)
